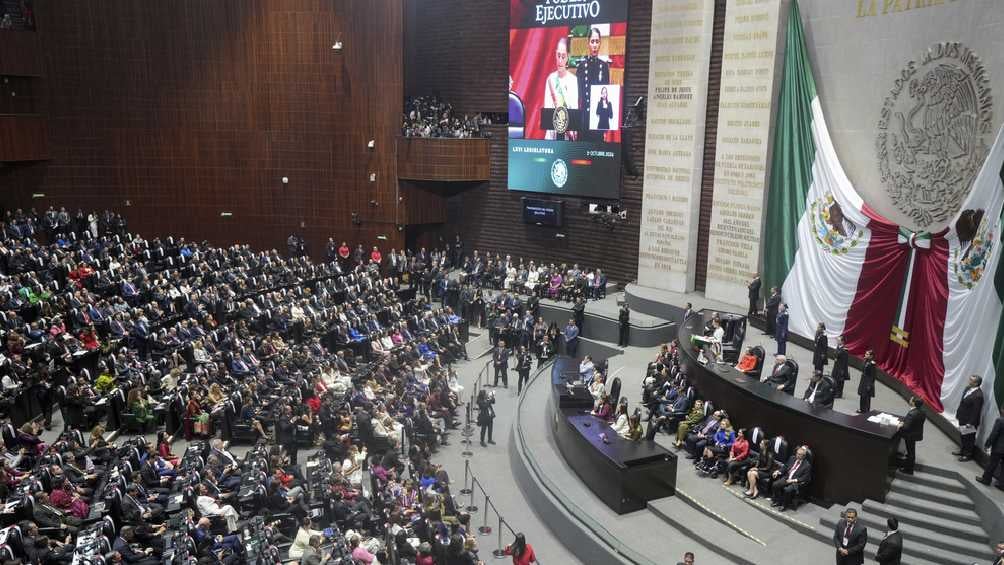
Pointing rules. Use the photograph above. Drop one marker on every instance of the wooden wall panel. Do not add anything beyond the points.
(488, 215)
(20, 54)
(173, 112)
(23, 138)
(459, 50)
(420, 158)
(424, 202)
(710, 147)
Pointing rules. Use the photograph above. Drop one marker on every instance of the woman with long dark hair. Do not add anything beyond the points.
(486, 415)
(164, 448)
(521, 552)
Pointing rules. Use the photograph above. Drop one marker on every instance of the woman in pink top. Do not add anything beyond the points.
(555, 285)
(359, 553)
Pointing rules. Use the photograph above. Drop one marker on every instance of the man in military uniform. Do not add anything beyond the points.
(590, 71)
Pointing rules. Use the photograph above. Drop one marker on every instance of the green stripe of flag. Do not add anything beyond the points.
(794, 153)
(999, 341)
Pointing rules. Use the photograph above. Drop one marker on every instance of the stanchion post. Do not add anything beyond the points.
(470, 502)
(499, 553)
(485, 529)
(467, 433)
(467, 474)
(468, 428)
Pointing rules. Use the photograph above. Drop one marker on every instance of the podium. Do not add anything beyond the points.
(574, 119)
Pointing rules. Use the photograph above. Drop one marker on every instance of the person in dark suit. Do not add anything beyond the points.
(866, 388)
(624, 317)
(840, 374)
(124, 546)
(500, 359)
(524, 362)
(782, 376)
(579, 311)
(688, 312)
(781, 329)
(313, 555)
(770, 312)
(754, 294)
(850, 539)
(819, 359)
(995, 443)
(968, 415)
(911, 429)
(486, 415)
(285, 433)
(820, 391)
(890, 551)
(788, 479)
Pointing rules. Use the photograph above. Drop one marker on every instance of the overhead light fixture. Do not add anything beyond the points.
(226, 214)
(285, 180)
(338, 43)
(38, 195)
(371, 144)
(382, 237)
(372, 177)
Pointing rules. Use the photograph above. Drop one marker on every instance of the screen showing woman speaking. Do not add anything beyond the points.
(566, 77)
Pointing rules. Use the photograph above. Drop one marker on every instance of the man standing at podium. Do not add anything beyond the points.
(561, 89)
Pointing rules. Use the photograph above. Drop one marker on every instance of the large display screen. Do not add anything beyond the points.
(566, 77)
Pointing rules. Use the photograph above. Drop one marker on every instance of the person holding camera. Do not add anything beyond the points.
(486, 414)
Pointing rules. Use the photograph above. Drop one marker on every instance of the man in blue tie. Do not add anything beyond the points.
(571, 338)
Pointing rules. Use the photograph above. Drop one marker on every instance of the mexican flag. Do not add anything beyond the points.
(920, 300)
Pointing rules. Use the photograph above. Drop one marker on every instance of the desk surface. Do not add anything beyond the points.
(764, 392)
(620, 452)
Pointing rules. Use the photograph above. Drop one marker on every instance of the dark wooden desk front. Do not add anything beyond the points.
(624, 474)
(850, 454)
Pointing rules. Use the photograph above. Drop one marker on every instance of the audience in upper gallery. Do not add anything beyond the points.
(428, 116)
(17, 15)
(116, 329)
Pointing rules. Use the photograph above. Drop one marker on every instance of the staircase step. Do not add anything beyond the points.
(971, 529)
(928, 469)
(926, 544)
(948, 512)
(916, 552)
(944, 484)
(929, 494)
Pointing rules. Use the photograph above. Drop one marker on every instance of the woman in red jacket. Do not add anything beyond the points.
(522, 552)
(737, 457)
